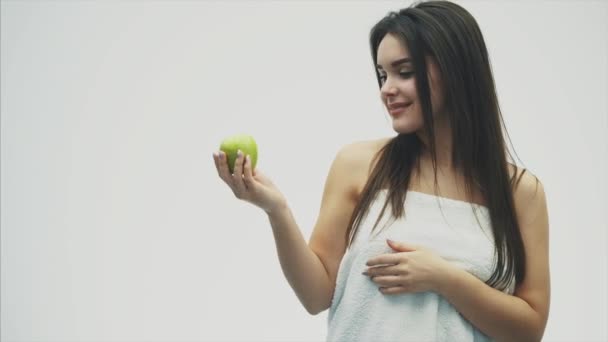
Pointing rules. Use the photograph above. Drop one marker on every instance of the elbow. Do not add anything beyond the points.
(315, 310)
(534, 336)
(538, 330)
(532, 333)
(527, 337)
(316, 307)
(535, 324)
(539, 333)
(321, 302)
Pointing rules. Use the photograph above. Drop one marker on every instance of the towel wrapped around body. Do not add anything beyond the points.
(458, 231)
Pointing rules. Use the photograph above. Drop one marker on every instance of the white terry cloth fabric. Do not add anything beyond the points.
(359, 312)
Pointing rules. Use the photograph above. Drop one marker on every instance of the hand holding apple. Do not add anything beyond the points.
(237, 171)
(244, 142)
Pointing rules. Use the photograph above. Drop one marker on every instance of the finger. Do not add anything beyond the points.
(223, 169)
(248, 179)
(237, 176)
(383, 270)
(385, 259)
(393, 290)
(215, 161)
(402, 246)
(387, 281)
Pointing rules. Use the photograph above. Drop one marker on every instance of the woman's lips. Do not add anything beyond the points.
(398, 110)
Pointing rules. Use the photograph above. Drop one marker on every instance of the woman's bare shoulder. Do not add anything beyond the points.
(360, 155)
(370, 146)
(362, 152)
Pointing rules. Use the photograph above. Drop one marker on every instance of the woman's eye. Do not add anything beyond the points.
(402, 74)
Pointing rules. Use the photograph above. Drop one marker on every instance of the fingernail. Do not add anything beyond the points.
(239, 153)
(221, 155)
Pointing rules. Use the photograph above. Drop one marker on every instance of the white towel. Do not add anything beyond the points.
(359, 312)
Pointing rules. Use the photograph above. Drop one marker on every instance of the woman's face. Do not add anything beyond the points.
(399, 85)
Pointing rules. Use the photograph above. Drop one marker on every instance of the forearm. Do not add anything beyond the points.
(301, 266)
(501, 316)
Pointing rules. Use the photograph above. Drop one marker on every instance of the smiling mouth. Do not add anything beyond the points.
(399, 110)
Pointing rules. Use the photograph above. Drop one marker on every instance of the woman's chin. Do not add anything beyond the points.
(404, 127)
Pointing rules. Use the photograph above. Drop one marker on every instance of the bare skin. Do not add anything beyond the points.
(450, 184)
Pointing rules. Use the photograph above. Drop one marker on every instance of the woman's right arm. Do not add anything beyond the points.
(310, 269)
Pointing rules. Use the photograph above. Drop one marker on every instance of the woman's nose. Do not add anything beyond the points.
(388, 89)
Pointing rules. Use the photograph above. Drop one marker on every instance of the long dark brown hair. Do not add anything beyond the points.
(449, 34)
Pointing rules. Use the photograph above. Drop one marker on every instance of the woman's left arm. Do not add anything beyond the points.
(523, 315)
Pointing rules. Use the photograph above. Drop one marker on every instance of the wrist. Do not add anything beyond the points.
(445, 278)
(277, 208)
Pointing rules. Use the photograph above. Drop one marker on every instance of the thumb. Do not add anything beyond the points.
(401, 246)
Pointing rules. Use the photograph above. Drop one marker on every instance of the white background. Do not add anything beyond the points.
(115, 226)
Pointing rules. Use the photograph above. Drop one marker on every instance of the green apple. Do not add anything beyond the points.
(243, 142)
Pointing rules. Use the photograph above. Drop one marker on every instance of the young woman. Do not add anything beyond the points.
(468, 260)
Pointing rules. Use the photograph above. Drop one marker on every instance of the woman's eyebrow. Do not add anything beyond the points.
(396, 63)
